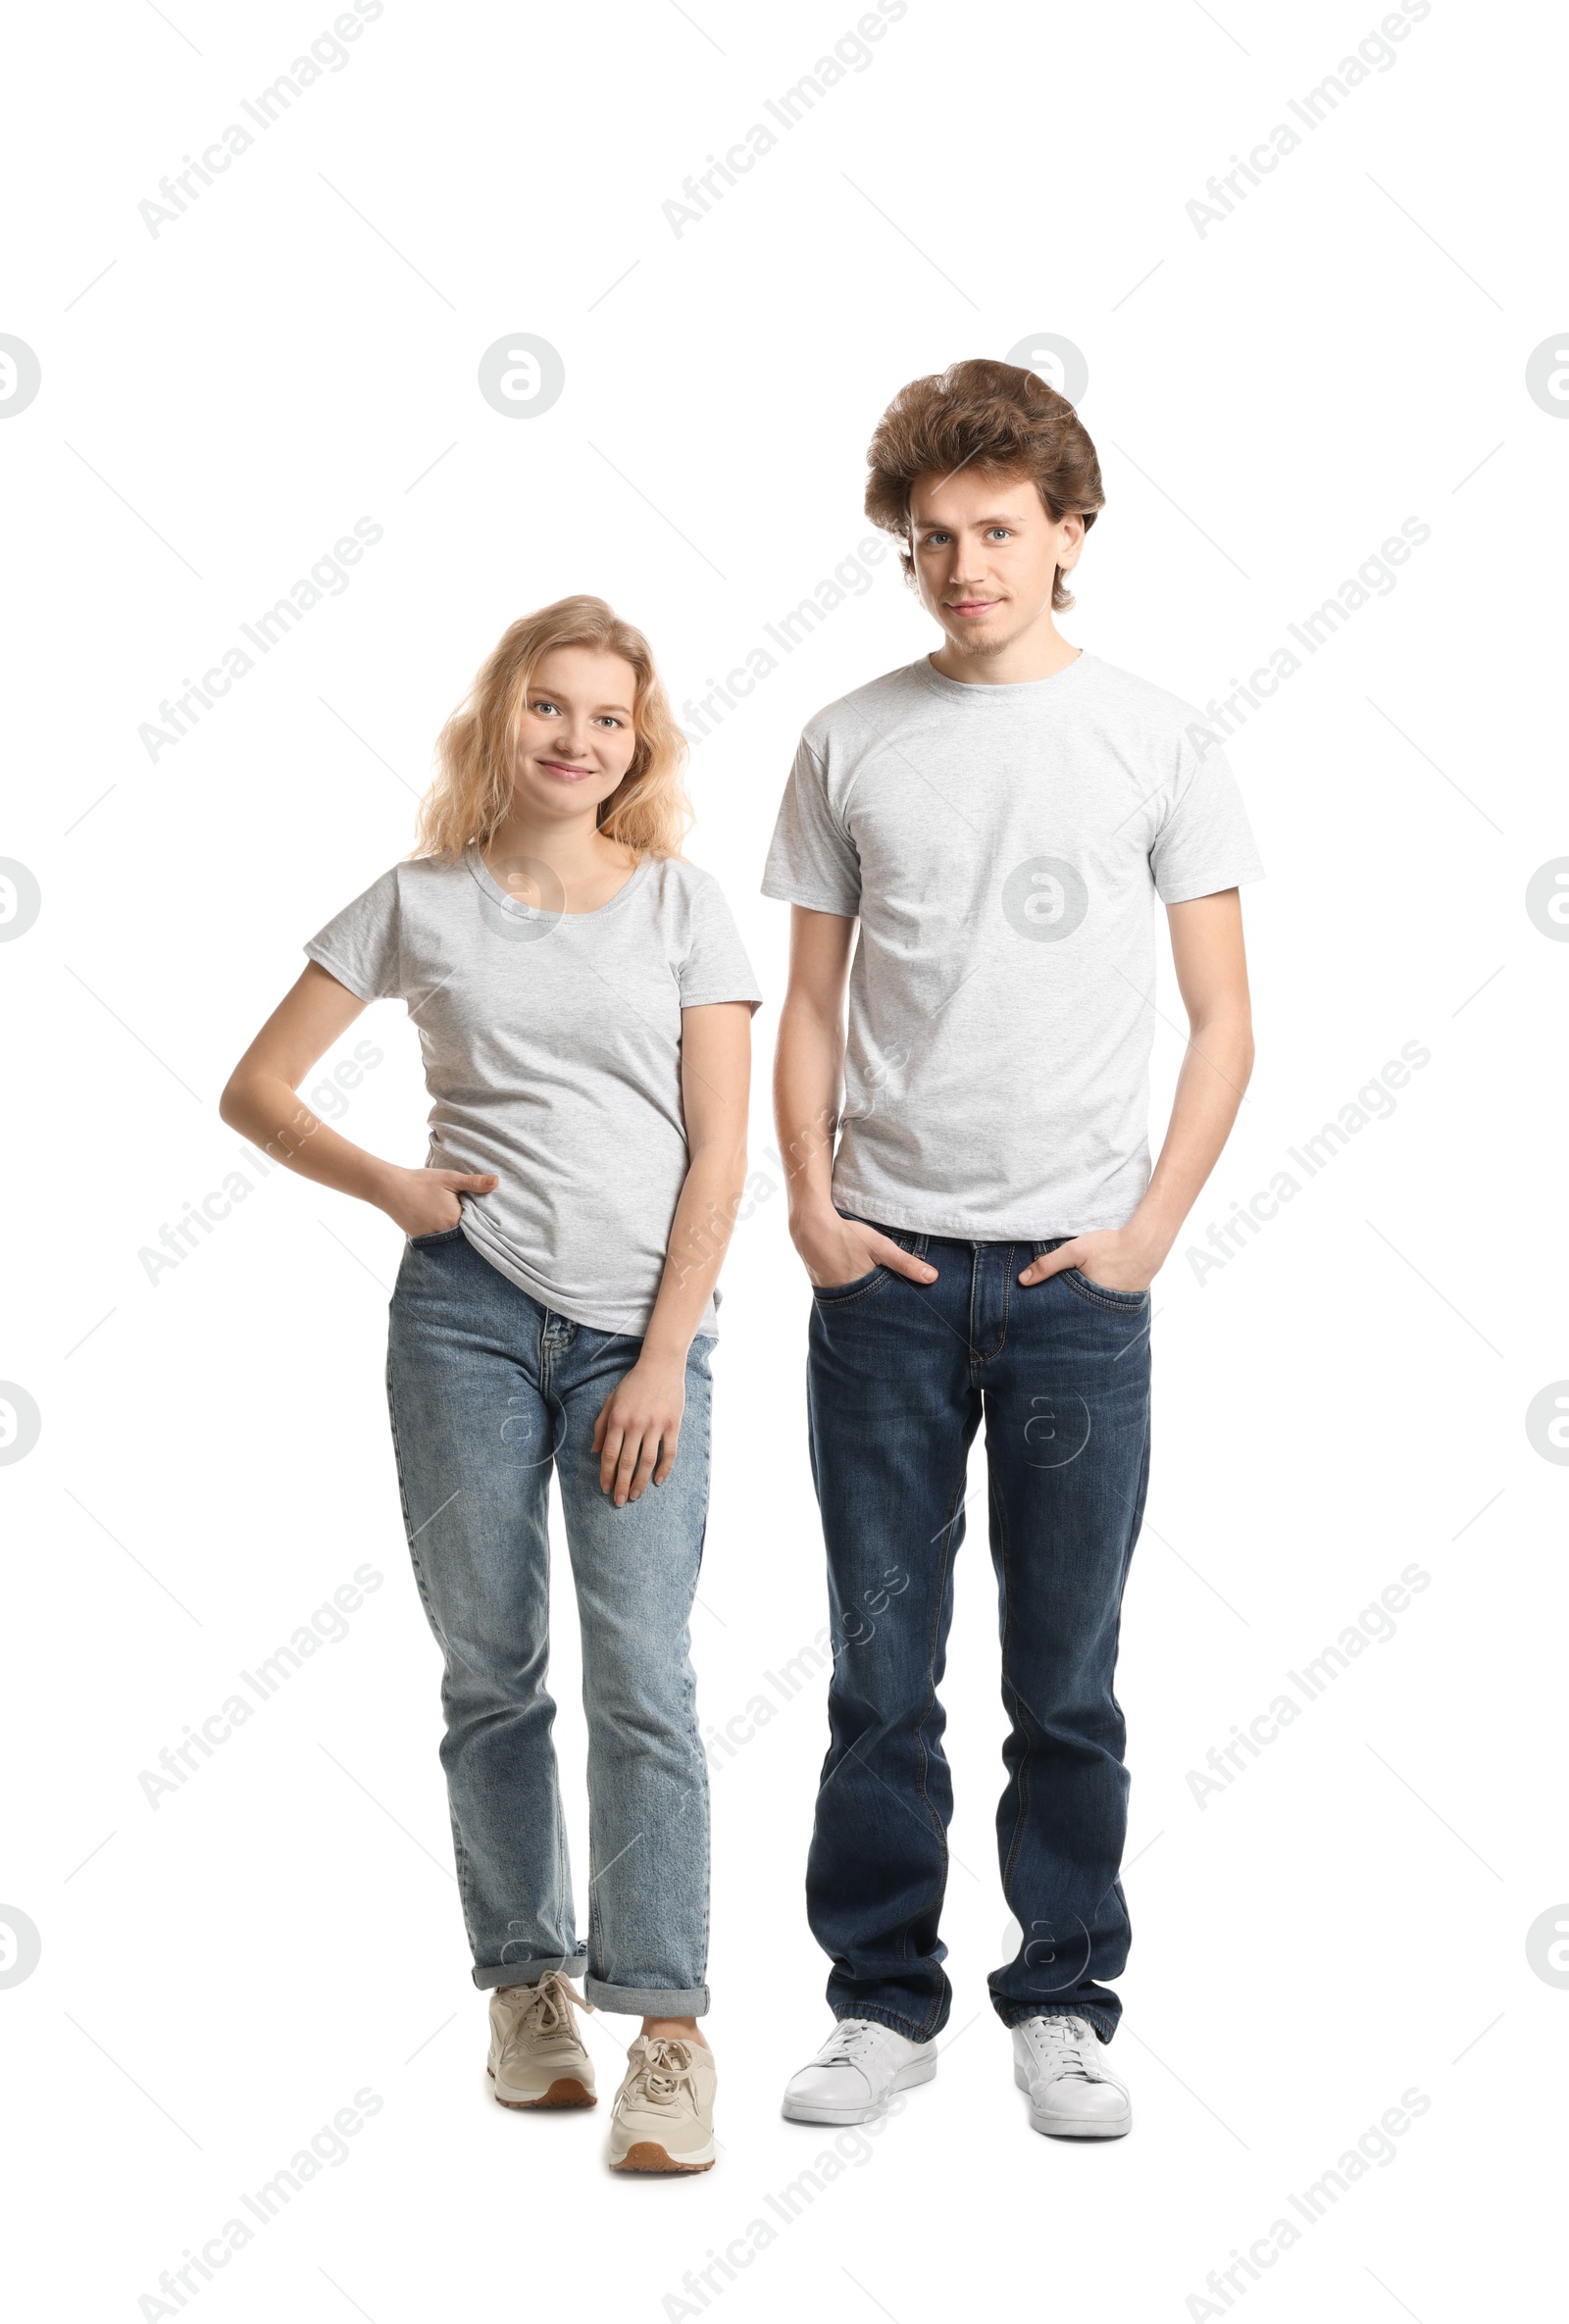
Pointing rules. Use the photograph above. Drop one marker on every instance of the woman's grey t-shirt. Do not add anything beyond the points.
(1003, 848)
(552, 1050)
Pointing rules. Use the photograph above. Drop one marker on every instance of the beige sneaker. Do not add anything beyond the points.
(536, 2056)
(663, 2118)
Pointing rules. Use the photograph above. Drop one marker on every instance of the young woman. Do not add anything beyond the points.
(584, 1005)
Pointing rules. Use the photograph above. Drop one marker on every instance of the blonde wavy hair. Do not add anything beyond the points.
(471, 794)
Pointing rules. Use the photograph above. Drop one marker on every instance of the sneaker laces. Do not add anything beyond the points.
(663, 2071)
(1067, 2045)
(550, 2006)
(850, 2038)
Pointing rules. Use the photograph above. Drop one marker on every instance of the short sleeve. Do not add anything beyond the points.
(811, 858)
(1205, 842)
(715, 967)
(361, 946)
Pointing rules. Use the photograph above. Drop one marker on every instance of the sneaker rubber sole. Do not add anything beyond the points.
(646, 2155)
(919, 2069)
(565, 2090)
(1053, 2125)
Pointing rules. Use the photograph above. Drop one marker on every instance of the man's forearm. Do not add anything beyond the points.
(808, 1075)
(1209, 1091)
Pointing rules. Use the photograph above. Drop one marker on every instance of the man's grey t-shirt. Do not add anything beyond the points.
(552, 1049)
(1003, 847)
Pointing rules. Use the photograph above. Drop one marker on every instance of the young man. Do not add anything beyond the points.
(1000, 819)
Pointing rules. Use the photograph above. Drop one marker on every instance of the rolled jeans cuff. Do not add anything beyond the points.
(487, 1975)
(646, 2001)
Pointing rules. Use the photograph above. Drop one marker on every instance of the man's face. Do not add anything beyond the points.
(986, 554)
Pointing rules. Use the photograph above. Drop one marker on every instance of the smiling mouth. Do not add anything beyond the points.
(566, 772)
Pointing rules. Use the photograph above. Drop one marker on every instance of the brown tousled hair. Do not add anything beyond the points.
(648, 811)
(994, 417)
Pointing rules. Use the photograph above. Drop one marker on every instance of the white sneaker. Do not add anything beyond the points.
(856, 2072)
(537, 2058)
(1073, 2093)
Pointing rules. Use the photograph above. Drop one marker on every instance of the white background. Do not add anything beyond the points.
(1271, 399)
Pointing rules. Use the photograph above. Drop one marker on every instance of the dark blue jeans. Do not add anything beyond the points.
(900, 1375)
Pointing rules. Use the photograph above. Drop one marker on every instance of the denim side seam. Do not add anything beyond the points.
(464, 1892)
(919, 1740)
(1017, 1839)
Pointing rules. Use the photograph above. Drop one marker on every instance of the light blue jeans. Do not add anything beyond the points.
(489, 1392)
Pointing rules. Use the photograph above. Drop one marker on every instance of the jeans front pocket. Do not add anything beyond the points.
(426, 1242)
(1101, 1295)
(834, 1295)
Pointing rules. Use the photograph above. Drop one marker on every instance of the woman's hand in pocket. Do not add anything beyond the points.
(426, 1201)
(638, 1428)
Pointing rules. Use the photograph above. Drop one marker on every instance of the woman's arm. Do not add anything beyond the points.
(1207, 944)
(261, 1100)
(639, 1423)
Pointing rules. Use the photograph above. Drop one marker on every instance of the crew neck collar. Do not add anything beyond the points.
(955, 688)
(497, 894)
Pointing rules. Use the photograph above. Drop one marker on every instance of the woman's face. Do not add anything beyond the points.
(575, 734)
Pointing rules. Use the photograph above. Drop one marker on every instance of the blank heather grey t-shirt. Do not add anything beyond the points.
(1003, 847)
(552, 1049)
